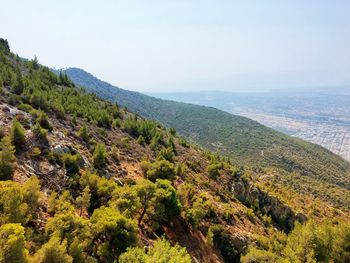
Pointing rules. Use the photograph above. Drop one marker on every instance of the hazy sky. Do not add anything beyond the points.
(154, 45)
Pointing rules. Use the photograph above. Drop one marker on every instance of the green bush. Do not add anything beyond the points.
(40, 133)
(112, 233)
(12, 244)
(72, 163)
(162, 251)
(83, 133)
(213, 170)
(7, 159)
(160, 169)
(43, 121)
(99, 156)
(17, 135)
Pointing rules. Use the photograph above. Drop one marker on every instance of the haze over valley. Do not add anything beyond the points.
(318, 115)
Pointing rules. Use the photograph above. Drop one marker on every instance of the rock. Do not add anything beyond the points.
(282, 215)
(61, 149)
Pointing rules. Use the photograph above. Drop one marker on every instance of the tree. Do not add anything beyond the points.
(83, 133)
(311, 242)
(43, 121)
(83, 201)
(126, 200)
(161, 169)
(162, 252)
(166, 203)
(213, 170)
(145, 191)
(32, 194)
(19, 84)
(72, 229)
(7, 159)
(112, 233)
(100, 155)
(13, 207)
(53, 251)
(4, 46)
(18, 138)
(35, 63)
(71, 163)
(12, 244)
(101, 189)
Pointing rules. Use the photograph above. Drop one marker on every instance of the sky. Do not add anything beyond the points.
(180, 45)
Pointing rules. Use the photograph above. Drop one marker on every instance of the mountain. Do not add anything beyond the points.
(315, 114)
(304, 166)
(82, 180)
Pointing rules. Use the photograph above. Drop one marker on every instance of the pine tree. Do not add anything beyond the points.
(83, 201)
(18, 138)
(99, 157)
(7, 159)
(83, 133)
(12, 243)
(19, 85)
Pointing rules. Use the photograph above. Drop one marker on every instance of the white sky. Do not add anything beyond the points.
(163, 45)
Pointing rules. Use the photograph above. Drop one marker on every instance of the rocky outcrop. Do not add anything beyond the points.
(282, 215)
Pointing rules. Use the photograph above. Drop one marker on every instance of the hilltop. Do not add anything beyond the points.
(306, 167)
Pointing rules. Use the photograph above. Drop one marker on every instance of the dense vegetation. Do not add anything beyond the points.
(311, 242)
(244, 140)
(83, 181)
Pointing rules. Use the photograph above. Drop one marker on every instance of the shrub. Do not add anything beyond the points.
(43, 121)
(200, 208)
(53, 251)
(83, 201)
(141, 140)
(167, 204)
(115, 153)
(71, 163)
(112, 233)
(101, 189)
(162, 251)
(7, 159)
(35, 152)
(83, 133)
(99, 156)
(167, 154)
(184, 143)
(40, 133)
(25, 107)
(17, 135)
(213, 170)
(160, 169)
(13, 210)
(12, 244)
(180, 169)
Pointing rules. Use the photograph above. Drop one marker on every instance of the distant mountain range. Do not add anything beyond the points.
(244, 140)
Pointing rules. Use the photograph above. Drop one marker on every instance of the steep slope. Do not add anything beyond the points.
(83, 181)
(246, 141)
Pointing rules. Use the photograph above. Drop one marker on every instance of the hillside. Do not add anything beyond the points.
(82, 180)
(246, 141)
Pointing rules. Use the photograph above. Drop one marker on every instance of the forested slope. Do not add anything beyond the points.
(82, 180)
(244, 140)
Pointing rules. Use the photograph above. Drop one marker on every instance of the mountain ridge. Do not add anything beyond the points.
(83, 180)
(245, 140)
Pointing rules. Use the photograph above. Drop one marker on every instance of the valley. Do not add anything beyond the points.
(318, 116)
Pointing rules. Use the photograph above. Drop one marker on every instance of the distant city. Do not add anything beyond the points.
(318, 115)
